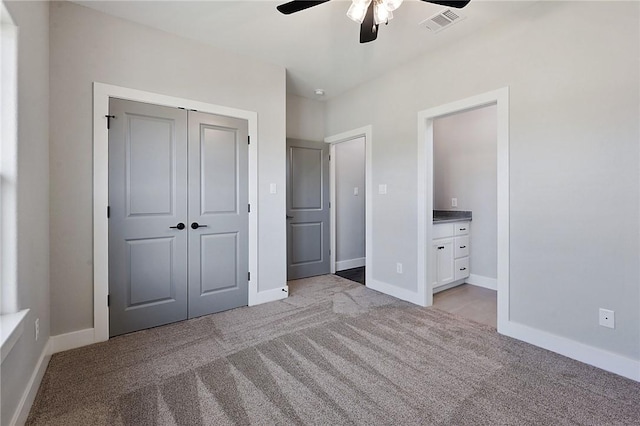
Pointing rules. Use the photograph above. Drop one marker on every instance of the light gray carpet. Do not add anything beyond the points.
(333, 353)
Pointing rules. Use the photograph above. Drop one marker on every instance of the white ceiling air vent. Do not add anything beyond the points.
(441, 20)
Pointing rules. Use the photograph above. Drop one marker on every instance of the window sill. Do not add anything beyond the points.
(11, 328)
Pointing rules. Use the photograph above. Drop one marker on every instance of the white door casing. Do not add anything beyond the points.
(101, 94)
(426, 276)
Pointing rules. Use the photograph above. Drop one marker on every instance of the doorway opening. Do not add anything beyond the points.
(465, 198)
(348, 203)
(428, 233)
(351, 201)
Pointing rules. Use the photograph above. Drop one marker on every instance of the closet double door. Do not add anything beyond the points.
(178, 215)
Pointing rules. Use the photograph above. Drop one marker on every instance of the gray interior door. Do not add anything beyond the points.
(147, 199)
(178, 226)
(218, 210)
(307, 209)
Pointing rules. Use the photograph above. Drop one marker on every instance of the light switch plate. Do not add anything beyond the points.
(356, 190)
(273, 188)
(454, 202)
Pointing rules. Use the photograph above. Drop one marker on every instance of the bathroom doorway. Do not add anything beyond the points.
(465, 200)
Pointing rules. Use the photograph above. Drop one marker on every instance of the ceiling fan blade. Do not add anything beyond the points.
(368, 28)
(459, 4)
(298, 5)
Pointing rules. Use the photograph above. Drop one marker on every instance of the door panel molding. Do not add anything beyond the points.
(101, 94)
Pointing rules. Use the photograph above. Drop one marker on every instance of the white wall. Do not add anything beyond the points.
(464, 167)
(32, 19)
(350, 208)
(305, 119)
(88, 46)
(572, 69)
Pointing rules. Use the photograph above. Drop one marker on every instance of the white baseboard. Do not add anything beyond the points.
(269, 295)
(29, 395)
(350, 264)
(480, 281)
(596, 357)
(75, 339)
(395, 291)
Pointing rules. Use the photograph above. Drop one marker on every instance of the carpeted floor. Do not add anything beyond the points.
(333, 353)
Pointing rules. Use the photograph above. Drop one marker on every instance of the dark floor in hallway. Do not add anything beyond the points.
(354, 274)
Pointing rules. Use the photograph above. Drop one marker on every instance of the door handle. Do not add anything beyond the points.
(179, 226)
(196, 225)
(289, 217)
(441, 247)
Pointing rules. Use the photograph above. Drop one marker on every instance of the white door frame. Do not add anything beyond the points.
(101, 94)
(500, 98)
(365, 132)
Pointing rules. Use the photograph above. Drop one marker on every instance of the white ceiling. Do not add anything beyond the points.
(320, 46)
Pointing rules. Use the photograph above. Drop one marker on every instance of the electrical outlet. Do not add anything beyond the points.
(607, 318)
(273, 188)
(356, 190)
(454, 202)
(399, 268)
(37, 325)
(382, 188)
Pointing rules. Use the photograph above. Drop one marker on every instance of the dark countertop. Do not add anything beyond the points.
(445, 216)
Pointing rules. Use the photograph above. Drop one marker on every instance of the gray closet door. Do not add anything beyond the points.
(178, 226)
(218, 213)
(307, 209)
(147, 197)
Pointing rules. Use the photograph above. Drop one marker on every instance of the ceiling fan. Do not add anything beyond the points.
(369, 13)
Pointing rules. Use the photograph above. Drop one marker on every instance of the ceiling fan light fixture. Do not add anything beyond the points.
(392, 5)
(358, 10)
(381, 14)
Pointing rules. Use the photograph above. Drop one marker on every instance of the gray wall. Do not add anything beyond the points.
(464, 167)
(574, 169)
(305, 119)
(88, 46)
(32, 19)
(350, 220)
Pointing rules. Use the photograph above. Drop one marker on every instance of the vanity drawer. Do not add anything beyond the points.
(461, 268)
(461, 228)
(461, 246)
(442, 230)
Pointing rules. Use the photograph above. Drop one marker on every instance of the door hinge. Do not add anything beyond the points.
(248, 140)
(108, 300)
(248, 276)
(329, 157)
(329, 204)
(109, 117)
(249, 208)
(108, 212)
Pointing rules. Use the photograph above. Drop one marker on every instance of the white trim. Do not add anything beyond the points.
(73, 340)
(8, 162)
(30, 392)
(395, 291)
(271, 295)
(596, 357)
(11, 328)
(480, 281)
(101, 94)
(499, 97)
(367, 132)
(341, 265)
